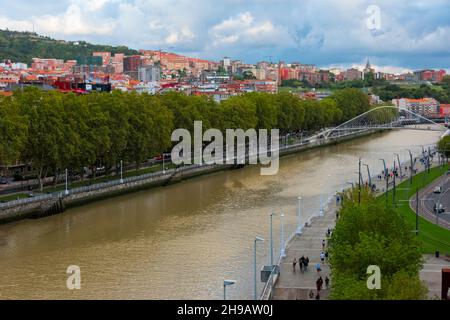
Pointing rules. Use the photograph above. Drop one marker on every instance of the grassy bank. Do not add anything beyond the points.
(432, 237)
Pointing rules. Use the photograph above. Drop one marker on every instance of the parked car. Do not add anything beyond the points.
(167, 156)
(3, 180)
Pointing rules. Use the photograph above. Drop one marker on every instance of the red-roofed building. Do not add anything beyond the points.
(106, 57)
(444, 110)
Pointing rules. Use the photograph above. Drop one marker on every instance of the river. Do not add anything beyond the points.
(182, 241)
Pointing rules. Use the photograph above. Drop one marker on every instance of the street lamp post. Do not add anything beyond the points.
(386, 177)
(393, 194)
(321, 204)
(417, 210)
(225, 284)
(359, 185)
(411, 169)
(66, 192)
(399, 165)
(255, 290)
(121, 171)
(353, 187)
(282, 249)
(299, 227)
(368, 173)
(164, 164)
(271, 239)
(428, 160)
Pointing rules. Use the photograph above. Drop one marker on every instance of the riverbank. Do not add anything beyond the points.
(57, 202)
(294, 284)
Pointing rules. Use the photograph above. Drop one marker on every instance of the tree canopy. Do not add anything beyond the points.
(56, 131)
(444, 146)
(373, 234)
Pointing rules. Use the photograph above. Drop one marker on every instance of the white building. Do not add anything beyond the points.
(149, 74)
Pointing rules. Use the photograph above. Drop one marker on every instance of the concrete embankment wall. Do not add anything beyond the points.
(38, 209)
(59, 202)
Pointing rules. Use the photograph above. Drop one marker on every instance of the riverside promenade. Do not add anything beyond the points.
(297, 285)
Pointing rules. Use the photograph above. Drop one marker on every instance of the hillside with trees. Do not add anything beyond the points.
(23, 46)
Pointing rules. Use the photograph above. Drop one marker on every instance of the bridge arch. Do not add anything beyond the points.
(383, 118)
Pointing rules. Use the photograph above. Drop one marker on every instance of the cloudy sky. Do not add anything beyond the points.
(403, 34)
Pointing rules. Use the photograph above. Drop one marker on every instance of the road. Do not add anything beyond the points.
(427, 199)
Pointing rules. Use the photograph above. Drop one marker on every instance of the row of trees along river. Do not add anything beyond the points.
(55, 131)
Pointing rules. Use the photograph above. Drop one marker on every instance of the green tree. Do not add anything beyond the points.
(45, 131)
(404, 286)
(444, 146)
(13, 131)
(151, 125)
(266, 109)
(372, 234)
(238, 112)
(99, 135)
(114, 105)
(291, 113)
(352, 102)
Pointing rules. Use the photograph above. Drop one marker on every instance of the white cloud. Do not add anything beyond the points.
(75, 20)
(183, 35)
(245, 29)
(243, 20)
(18, 25)
(311, 31)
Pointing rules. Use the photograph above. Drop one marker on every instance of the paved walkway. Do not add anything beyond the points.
(431, 273)
(297, 285)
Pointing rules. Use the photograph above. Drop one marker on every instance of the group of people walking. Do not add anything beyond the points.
(319, 286)
(302, 263)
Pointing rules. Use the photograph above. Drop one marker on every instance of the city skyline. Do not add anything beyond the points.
(408, 35)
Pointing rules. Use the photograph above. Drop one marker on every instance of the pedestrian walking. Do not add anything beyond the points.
(301, 263)
(318, 296)
(326, 255)
(318, 287)
(294, 263)
(327, 281)
(322, 256)
(320, 282)
(323, 244)
(318, 267)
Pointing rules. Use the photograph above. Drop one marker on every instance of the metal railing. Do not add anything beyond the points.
(99, 186)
